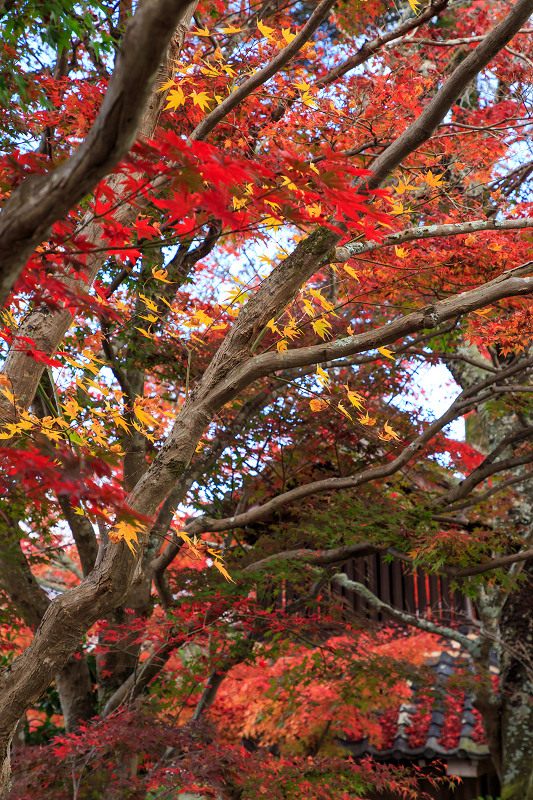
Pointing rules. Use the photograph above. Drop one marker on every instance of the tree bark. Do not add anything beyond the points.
(32, 208)
(117, 571)
(517, 692)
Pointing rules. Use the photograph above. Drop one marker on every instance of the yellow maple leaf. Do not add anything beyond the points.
(144, 333)
(281, 346)
(386, 353)
(221, 568)
(28, 420)
(144, 417)
(314, 210)
(121, 422)
(230, 29)
(290, 331)
(272, 223)
(322, 377)
(401, 252)
(81, 385)
(309, 310)
(176, 98)
(125, 531)
(322, 300)
(403, 187)
(321, 327)
(308, 100)
(201, 99)
(9, 431)
(343, 411)
(52, 434)
(166, 85)
(355, 398)
(470, 240)
(191, 544)
(287, 35)
(317, 404)
(415, 5)
(160, 275)
(367, 419)
(388, 433)
(9, 394)
(433, 180)
(265, 30)
(201, 32)
(148, 302)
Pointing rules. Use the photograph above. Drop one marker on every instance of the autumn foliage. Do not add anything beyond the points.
(231, 294)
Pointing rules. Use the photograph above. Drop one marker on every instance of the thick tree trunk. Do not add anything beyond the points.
(512, 749)
(517, 693)
(75, 689)
(73, 681)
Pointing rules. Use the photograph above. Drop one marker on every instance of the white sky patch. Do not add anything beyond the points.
(432, 389)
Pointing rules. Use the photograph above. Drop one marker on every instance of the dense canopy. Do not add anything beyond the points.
(266, 283)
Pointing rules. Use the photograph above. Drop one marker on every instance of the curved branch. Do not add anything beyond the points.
(485, 470)
(435, 111)
(493, 563)
(471, 645)
(468, 398)
(40, 200)
(432, 232)
(507, 285)
(204, 128)
(316, 558)
(485, 495)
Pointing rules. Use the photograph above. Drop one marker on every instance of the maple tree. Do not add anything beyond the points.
(229, 237)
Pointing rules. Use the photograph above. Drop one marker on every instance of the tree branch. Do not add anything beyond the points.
(472, 646)
(40, 200)
(316, 558)
(509, 284)
(204, 128)
(435, 111)
(432, 232)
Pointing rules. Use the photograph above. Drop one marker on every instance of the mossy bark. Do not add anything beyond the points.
(517, 692)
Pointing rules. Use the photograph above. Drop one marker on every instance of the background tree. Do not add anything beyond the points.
(202, 322)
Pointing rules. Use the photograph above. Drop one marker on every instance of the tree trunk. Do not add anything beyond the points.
(517, 693)
(75, 689)
(512, 626)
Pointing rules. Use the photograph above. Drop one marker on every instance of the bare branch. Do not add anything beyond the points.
(479, 498)
(508, 284)
(321, 558)
(471, 645)
(82, 533)
(494, 563)
(432, 232)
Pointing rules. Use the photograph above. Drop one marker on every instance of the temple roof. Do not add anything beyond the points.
(444, 725)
